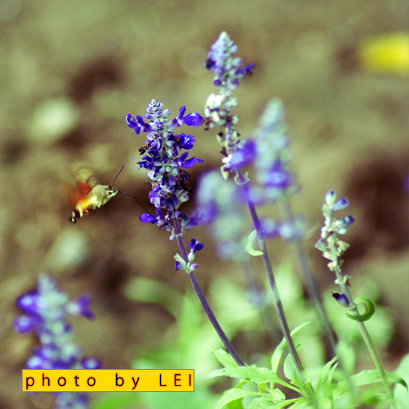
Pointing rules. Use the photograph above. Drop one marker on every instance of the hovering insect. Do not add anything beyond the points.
(90, 194)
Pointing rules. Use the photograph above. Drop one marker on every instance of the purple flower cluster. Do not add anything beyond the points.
(221, 62)
(272, 160)
(161, 158)
(45, 311)
(228, 72)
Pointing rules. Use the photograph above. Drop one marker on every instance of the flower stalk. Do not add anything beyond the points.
(228, 72)
(332, 249)
(165, 163)
(206, 307)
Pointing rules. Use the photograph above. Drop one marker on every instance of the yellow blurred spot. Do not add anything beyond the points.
(386, 54)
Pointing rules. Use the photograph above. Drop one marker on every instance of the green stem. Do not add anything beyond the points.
(367, 338)
(312, 290)
(270, 276)
(206, 307)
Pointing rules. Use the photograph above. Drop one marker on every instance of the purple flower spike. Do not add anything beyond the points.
(221, 62)
(46, 310)
(163, 158)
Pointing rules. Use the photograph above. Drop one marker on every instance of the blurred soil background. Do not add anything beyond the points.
(71, 70)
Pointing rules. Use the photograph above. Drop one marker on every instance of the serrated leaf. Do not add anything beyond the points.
(368, 377)
(232, 395)
(225, 358)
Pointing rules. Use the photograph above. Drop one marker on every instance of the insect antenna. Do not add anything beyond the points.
(141, 204)
(119, 171)
(127, 194)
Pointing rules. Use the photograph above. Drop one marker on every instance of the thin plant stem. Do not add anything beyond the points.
(270, 276)
(367, 338)
(329, 332)
(330, 336)
(229, 347)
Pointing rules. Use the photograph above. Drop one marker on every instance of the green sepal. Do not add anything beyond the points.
(370, 310)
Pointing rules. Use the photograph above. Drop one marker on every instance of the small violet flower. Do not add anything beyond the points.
(188, 266)
(163, 159)
(45, 312)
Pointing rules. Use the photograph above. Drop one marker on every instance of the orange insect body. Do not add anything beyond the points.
(91, 195)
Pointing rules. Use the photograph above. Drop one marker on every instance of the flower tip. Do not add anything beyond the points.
(341, 204)
(341, 299)
(147, 218)
(330, 198)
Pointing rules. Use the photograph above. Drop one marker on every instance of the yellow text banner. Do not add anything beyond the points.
(108, 380)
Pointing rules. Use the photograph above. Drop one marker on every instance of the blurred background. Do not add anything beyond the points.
(69, 73)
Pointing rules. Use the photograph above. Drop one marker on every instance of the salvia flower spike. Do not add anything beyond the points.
(45, 312)
(165, 162)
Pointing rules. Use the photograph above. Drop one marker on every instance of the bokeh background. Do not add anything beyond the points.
(70, 72)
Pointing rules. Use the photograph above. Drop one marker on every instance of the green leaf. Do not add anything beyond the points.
(232, 395)
(259, 403)
(401, 395)
(278, 352)
(290, 370)
(225, 358)
(277, 395)
(368, 377)
(250, 245)
(252, 374)
(235, 404)
(346, 354)
(326, 373)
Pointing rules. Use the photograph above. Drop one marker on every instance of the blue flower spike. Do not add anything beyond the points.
(165, 162)
(45, 312)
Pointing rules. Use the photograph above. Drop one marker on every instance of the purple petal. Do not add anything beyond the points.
(190, 162)
(148, 218)
(193, 119)
(25, 324)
